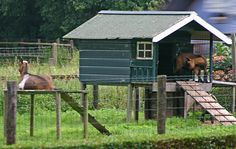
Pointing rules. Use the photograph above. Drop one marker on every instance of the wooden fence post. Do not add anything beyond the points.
(32, 115)
(58, 114)
(137, 102)
(129, 103)
(53, 60)
(11, 112)
(72, 46)
(234, 69)
(95, 96)
(85, 114)
(5, 113)
(161, 104)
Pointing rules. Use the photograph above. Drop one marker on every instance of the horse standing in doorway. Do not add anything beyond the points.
(195, 63)
(33, 82)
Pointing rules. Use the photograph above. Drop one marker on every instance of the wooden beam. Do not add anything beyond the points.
(77, 107)
(95, 96)
(32, 115)
(11, 112)
(137, 102)
(5, 113)
(234, 69)
(58, 115)
(85, 111)
(210, 56)
(161, 104)
(129, 103)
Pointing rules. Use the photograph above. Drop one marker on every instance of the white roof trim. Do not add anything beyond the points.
(187, 20)
(212, 29)
(173, 28)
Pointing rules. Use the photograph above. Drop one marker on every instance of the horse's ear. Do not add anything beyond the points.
(188, 59)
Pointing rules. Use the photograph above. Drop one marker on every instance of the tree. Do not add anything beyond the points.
(52, 19)
(19, 19)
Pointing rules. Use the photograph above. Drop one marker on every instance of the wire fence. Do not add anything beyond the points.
(39, 50)
(110, 109)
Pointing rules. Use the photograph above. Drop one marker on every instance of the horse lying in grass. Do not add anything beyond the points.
(195, 63)
(33, 82)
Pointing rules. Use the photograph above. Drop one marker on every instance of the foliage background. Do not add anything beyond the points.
(51, 19)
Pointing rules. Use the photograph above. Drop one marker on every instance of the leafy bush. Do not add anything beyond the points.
(222, 63)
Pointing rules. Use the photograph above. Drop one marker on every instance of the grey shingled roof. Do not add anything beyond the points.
(127, 24)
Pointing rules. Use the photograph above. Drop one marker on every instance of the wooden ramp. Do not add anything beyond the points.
(80, 110)
(207, 101)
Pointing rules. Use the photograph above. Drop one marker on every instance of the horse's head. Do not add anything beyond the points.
(23, 67)
(189, 63)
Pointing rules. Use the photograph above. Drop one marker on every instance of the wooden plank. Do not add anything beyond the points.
(217, 106)
(181, 82)
(209, 99)
(204, 93)
(192, 82)
(189, 88)
(224, 112)
(214, 112)
(197, 87)
(199, 99)
(77, 107)
(230, 118)
(206, 105)
(193, 93)
(221, 118)
(226, 123)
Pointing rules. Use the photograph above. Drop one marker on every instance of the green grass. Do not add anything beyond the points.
(114, 120)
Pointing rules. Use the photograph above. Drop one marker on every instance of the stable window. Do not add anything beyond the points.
(144, 50)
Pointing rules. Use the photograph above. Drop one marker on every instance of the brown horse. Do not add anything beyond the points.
(197, 64)
(192, 62)
(181, 62)
(33, 82)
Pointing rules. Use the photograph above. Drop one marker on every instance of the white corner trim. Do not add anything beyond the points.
(187, 20)
(174, 28)
(213, 30)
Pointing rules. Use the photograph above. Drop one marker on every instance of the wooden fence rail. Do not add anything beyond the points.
(39, 53)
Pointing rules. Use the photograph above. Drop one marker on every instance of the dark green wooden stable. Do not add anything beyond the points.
(108, 44)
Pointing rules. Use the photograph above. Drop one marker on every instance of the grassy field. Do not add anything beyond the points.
(114, 120)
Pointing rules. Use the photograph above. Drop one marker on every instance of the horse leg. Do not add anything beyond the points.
(196, 74)
(205, 75)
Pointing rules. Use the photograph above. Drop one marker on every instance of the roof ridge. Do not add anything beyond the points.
(146, 12)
